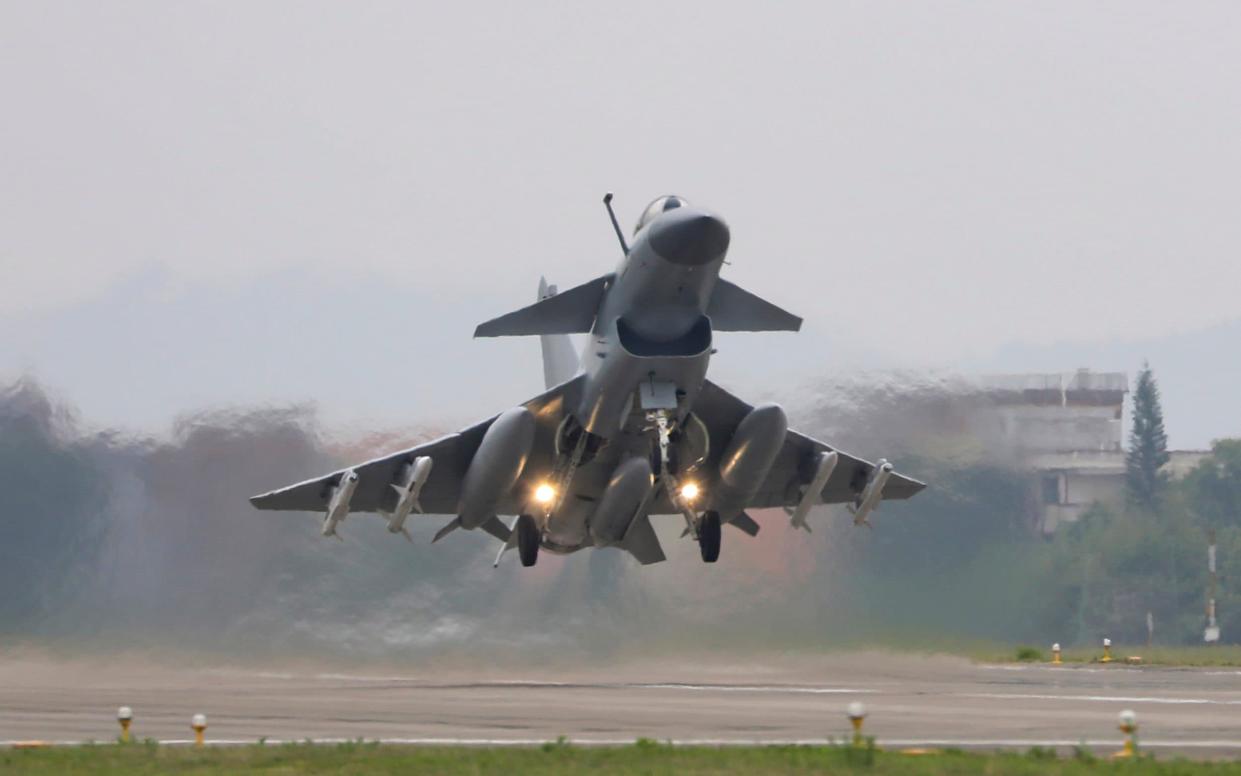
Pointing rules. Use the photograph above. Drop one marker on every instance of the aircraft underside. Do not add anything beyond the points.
(628, 428)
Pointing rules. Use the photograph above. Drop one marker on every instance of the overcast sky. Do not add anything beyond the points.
(213, 203)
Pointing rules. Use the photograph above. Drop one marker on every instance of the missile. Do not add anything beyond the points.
(872, 494)
(338, 503)
(825, 464)
(408, 487)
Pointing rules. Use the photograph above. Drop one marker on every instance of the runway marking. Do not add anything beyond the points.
(752, 688)
(1102, 698)
(539, 683)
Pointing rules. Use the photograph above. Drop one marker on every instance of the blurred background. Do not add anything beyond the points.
(243, 245)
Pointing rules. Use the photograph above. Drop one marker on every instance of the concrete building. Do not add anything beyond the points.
(1068, 429)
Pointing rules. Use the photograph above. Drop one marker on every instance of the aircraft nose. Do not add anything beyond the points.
(689, 237)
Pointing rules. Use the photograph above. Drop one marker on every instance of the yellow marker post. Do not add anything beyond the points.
(1055, 654)
(857, 713)
(124, 716)
(199, 725)
(1128, 726)
(1107, 651)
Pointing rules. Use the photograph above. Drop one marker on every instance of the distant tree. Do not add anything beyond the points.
(1213, 487)
(1148, 444)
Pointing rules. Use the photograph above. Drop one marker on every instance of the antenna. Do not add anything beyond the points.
(607, 202)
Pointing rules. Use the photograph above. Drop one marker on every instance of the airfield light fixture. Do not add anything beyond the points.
(857, 713)
(1128, 726)
(124, 715)
(689, 491)
(198, 723)
(544, 493)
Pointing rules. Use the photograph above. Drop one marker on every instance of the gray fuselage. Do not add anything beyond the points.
(651, 328)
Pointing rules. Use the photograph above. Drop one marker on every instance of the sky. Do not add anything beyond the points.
(205, 204)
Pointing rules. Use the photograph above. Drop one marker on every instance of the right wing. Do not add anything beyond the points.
(450, 457)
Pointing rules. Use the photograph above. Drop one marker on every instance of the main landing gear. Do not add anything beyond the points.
(709, 536)
(527, 540)
(705, 527)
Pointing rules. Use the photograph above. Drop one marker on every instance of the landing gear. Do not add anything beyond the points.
(709, 536)
(528, 540)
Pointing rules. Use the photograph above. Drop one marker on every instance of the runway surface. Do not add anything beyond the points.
(911, 700)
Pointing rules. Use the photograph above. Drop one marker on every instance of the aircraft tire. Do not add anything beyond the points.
(527, 540)
(709, 537)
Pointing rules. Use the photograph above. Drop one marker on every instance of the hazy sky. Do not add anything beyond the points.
(208, 203)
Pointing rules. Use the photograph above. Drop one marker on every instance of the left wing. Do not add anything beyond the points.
(450, 458)
(794, 466)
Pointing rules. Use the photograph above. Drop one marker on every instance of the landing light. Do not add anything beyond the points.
(544, 494)
(689, 491)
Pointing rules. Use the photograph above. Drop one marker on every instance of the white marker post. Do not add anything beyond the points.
(1211, 634)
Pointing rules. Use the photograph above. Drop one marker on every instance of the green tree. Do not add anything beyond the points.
(1148, 444)
(1214, 485)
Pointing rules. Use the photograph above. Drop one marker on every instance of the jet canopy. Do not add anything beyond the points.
(660, 205)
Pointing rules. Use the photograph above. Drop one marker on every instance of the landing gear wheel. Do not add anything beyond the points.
(527, 540)
(709, 537)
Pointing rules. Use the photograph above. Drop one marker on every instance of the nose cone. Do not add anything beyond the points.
(690, 237)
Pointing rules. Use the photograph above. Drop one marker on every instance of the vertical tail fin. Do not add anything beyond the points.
(560, 358)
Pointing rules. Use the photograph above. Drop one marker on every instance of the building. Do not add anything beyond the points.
(1068, 429)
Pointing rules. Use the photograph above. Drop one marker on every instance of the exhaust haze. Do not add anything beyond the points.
(122, 541)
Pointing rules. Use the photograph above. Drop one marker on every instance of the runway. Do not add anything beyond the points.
(910, 700)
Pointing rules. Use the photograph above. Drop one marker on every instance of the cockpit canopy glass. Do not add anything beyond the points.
(661, 204)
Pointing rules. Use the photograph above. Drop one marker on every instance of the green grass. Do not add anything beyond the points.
(558, 757)
(1029, 655)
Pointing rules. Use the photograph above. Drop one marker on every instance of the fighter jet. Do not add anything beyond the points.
(628, 429)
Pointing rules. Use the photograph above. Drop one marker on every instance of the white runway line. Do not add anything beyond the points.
(1102, 698)
(751, 688)
(540, 683)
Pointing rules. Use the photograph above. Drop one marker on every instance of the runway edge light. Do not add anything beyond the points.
(1128, 726)
(198, 723)
(124, 716)
(857, 714)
